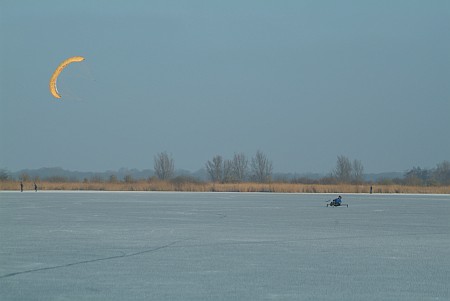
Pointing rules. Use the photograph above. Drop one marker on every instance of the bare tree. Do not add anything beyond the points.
(228, 175)
(24, 177)
(240, 167)
(128, 179)
(261, 168)
(113, 179)
(442, 173)
(358, 171)
(164, 166)
(4, 176)
(215, 168)
(343, 170)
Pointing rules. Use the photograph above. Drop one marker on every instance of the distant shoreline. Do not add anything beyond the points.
(223, 187)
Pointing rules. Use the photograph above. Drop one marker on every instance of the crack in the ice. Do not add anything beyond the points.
(123, 255)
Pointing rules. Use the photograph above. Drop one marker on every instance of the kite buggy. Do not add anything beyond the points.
(336, 202)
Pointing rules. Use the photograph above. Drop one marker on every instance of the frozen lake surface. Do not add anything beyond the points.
(223, 246)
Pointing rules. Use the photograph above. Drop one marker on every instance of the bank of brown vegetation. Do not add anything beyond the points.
(193, 186)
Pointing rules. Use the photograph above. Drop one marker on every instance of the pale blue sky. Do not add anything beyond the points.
(302, 81)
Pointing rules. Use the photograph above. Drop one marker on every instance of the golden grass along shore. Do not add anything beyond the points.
(224, 187)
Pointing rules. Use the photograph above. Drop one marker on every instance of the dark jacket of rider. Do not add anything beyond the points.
(338, 200)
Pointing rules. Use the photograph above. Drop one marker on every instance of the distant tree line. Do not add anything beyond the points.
(352, 172)
(240, 168)
(440, 175)
(220, 170)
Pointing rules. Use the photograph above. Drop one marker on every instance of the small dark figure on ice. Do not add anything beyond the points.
(21, 186)
(35, 187)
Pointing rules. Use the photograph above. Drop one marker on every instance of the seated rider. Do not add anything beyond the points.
(337, 202)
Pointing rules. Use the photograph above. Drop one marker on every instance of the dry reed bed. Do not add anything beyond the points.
(225, 187)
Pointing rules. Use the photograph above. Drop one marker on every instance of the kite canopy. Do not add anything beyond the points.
(64, 64)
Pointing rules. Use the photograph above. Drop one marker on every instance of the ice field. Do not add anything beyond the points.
(223, 246)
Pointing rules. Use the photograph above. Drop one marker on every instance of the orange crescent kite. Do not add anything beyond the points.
(64, 64)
